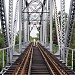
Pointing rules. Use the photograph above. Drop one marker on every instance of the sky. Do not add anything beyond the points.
(34, 31)
(67, 5)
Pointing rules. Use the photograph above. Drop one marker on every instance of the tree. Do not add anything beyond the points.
(17, 39)
(1, 40)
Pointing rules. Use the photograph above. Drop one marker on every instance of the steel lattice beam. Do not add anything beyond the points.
(57, 25)
(15, 20)
(10, 26)
(3, 22)
(62, 28)
(70, 23)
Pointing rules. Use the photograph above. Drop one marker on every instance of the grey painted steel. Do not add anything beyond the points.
(3, 25)
(10, 26)
(3, 58)
(20, 24)
(44, 24)
(62, 29)
(15, 20)
(42, 37)
(51, 13)
(41, 28)
(72, 58)
(58, 30)
(35, 12)
(70, 25)
(28, 16)
(48, 9)
(25, 21)
(3, 21)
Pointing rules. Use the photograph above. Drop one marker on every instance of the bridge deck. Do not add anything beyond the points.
(37, 61)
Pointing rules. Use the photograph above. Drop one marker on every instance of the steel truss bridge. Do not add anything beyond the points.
(39, 14)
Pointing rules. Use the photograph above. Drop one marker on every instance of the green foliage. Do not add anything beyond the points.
(74, 61)
(54, 32)
(17, 39)
(73, 38)
(1, 40)
(31, 39)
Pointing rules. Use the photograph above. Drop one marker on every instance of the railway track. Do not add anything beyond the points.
(37, 61)
(56, 67)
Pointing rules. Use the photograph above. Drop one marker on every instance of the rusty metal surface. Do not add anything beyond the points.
(36, 60)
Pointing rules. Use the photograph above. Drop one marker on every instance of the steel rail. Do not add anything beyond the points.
(15, 67)
(29, 71)
(31, 64)
(26, 62)
(60, 70)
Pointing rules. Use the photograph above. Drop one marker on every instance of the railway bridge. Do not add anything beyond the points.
(39, 56)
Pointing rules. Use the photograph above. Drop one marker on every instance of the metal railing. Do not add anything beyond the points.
(6, 55)
(70, 57)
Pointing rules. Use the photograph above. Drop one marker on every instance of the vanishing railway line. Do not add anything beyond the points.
(37, 61)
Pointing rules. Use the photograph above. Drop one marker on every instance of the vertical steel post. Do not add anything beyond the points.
(28, 24)
(7, 55)
(66, 59)
(20, 24)
(46, 25)
(28, 32)
(10, 22)
(57, 26)
(72, 59)
(15, 24)
(51, 13)
(25, 24)
(3, 58)
(24, 33)
(63, 30)
(43, 30)
(11, 53)
(10, 28)
(45, 35)
(41, 33)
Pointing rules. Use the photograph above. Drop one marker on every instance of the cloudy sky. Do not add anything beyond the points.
(34, 31)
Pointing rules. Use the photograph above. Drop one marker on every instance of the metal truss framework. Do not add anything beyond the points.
(70, 25)
(3, 22)
(37, 12)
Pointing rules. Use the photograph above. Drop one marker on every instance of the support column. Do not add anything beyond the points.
(28, 24)
(41, 32)
(63, 30)
(58, 30)
(20, 24)
(10, 29)
(45, 33)
(51, 13)
(28, 32)
(25, 25)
